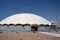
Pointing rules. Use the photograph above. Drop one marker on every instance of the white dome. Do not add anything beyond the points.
(24, 18)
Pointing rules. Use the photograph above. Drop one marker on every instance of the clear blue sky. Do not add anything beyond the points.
(49, 9)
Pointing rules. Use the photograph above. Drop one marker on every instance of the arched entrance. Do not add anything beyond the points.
(34, 27)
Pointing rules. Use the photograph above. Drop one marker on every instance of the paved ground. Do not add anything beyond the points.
(26, 36)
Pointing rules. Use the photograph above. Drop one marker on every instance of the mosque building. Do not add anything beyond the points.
(26, 22)
(27, 26)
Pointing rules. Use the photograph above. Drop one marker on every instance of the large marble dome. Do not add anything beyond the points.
(25, 18)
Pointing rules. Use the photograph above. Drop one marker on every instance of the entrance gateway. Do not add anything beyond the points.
(34, 27)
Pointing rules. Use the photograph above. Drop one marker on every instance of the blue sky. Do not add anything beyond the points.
(49, 9)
